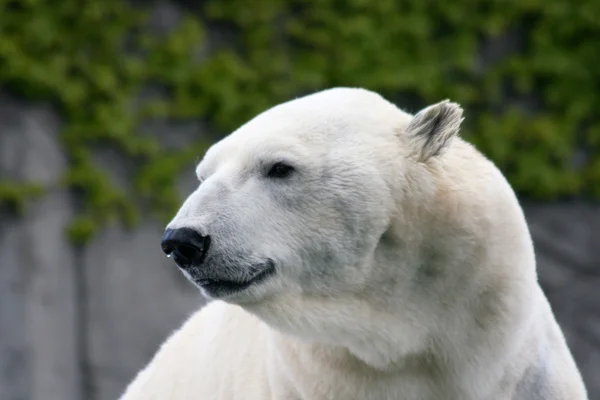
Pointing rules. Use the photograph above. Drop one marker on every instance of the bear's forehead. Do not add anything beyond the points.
(309, 124)
(320, 115)
(338, 104)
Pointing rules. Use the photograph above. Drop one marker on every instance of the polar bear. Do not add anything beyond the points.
(351, 250)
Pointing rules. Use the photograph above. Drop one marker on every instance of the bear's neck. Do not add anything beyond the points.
(353, 337)
(456, 294)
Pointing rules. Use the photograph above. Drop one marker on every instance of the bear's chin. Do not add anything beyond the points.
(233, 289)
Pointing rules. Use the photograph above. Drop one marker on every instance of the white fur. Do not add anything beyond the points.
(404, 266)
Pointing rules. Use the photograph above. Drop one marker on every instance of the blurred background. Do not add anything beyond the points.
(106, 106)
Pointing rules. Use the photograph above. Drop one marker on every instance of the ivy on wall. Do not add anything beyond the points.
(91, 59)
(14, 194)
(530, 105)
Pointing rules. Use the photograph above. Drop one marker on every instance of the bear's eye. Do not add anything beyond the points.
(280, 170)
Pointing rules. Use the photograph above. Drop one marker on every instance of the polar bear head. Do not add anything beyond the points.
(338, 217)
(302, 198)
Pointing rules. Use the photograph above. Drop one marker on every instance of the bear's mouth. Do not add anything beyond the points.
(216, 287)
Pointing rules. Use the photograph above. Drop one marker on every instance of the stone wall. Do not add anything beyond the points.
(74, 323)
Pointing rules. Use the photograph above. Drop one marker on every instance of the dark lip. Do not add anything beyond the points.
(219, 288)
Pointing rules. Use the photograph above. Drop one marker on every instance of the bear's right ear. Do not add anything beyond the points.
(431, 129)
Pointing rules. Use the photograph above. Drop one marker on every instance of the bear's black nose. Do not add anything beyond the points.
(186, 246)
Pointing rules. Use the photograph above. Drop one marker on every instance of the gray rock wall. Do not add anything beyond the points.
(74, 323)
(567, 240)
(38, 318)
(78, 324)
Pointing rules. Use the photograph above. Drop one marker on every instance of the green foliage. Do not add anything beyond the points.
(420, 52)
(74, 54)
(14, 195)
(93, 58)
(81, 230)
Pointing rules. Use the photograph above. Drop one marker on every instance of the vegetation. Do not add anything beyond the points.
(530, 98)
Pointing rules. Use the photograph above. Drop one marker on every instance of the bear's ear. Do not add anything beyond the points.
(431, 129)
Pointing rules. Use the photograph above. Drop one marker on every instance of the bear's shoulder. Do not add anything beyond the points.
(219, 349)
